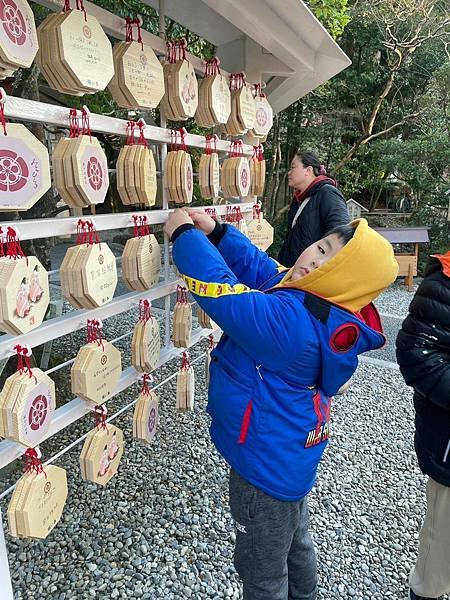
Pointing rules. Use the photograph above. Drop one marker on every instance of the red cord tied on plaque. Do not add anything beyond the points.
(211, 342)
(79, 122)
(95, 332)
(185, 384)
(257, 213)
(212, 67)
(178, 139)
(2, 243)
(23, 360)
(176, 50)
(181, 294)
(185, 361)
(13, 247)
(100, 413)
(141, 124)
(236, 149)
(79, 6)
(86, 233)
(257, 91)
(233, 215)
(141, 226)
(211, 211)
(258, 152)
(33, 462)
(211, 144)
(130, 139)
(145, 311)
(147, 380)
(129, 24)
(237, 81)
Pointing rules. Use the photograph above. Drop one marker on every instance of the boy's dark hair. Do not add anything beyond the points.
(309, 159)
(344, 233)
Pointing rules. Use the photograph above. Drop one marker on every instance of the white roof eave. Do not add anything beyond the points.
(304, 55)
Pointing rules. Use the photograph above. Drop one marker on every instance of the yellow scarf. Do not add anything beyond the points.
(356, 275)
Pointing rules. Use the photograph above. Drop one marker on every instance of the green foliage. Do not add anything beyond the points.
(333, 14)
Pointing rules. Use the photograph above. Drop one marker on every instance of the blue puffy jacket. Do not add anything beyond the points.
(283, 355)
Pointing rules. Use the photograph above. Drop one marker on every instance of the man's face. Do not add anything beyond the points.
(299, 176)
(316, 255)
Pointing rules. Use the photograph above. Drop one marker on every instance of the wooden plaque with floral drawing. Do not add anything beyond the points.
(24, 294)
(102, 459)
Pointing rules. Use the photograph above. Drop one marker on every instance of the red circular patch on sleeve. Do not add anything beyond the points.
(345, 337)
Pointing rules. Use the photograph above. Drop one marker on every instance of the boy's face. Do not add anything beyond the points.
(316, 255)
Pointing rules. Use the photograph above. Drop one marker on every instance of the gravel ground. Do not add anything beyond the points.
(396, 299)
(161, 528)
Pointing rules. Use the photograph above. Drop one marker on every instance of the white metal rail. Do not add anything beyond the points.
(77, 408)
(39, 112)
(76, 320)
(43, 228)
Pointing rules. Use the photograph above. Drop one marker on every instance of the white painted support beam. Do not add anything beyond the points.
(74, 321)
(44, 228)
(77, 408)
(39, 112)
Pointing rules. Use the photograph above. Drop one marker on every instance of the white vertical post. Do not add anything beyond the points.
(6, 592)
(163, 156)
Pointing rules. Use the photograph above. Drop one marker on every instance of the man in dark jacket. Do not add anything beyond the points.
(423, 353)
(318, 206)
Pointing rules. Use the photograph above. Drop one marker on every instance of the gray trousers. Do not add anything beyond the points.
(274, 553)
(430, 577)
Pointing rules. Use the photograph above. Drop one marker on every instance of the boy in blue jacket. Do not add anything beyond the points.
(291, 339)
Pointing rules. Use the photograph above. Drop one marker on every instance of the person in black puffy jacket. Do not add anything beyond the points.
(317, 207)
(423, 353)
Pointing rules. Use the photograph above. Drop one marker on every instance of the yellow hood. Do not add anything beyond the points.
(356, 275)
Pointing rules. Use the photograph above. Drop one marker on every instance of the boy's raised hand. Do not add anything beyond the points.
(202, 221)
(176, 218)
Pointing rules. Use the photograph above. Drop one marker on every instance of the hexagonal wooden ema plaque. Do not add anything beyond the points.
(18, 38)
(142, 76)
(90, 170)
(85, 50)
(24, 169)
(37, 503)
(24, 294)
(99, 274)
(96, 371)
(33, 409)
